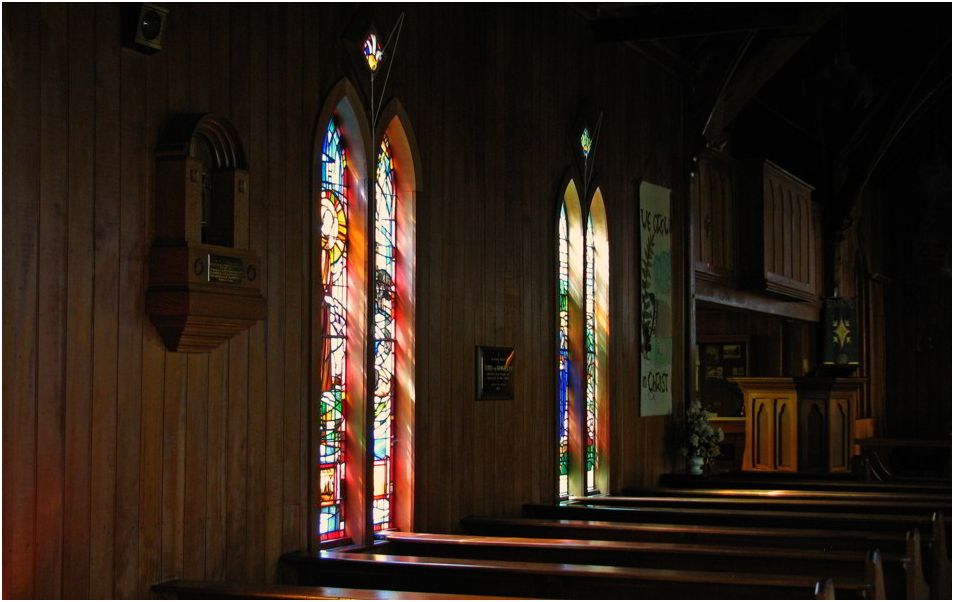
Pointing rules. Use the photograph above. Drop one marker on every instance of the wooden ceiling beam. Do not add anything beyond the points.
(761, 64)
(645, 23)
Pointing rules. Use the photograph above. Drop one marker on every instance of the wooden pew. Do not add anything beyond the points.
(799, 482)
(855, 574)
(346, 568)
(221, 590)
(814, 539)
(733, 517)
(940, 500)
(913, 507)
(893, 545)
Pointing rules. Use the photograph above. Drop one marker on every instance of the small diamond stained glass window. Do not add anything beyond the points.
(586, 142)
(372, 52)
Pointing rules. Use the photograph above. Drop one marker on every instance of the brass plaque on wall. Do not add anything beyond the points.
(495, 372)
(226, 270)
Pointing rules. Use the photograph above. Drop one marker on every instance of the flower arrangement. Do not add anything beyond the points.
(701, 438)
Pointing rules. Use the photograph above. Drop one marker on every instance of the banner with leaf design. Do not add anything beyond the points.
(655, 307)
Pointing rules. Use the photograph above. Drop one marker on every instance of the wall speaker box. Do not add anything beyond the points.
(143, 26)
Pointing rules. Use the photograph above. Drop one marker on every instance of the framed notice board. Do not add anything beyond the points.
(721, 358)
(495, 372)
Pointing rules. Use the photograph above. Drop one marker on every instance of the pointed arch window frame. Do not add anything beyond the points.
(344, 105)
(574, 424)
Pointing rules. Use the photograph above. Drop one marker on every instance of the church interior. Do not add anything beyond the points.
(439, 301)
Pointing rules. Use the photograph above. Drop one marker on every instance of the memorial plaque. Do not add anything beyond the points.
(226, 270)
(494, 373)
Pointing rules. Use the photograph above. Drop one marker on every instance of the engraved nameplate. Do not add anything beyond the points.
(226, 270)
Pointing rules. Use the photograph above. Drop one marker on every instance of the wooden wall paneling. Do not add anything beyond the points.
(194, 521)
(215, 539)
(310, 103)
(276, 203)
(218, 75)
(196, 466)
(153, 350)
(505, 256)
(51, 287)
(427, 415)
(21, 192)
(237, 426)
(173, 464)
(105, 304)
(470, 301)
(174, 431)
(195, 511)
(294, 289)
(258, 236)
(132, 248)
(79, 268)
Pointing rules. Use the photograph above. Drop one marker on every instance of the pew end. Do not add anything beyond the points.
(916, 586)
(874, 576)
(941, 578)
(825, 590)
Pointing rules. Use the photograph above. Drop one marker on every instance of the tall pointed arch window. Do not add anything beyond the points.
(334, 199)
(592, 369)
(596, 323)
(569, 340)
(563, 347)
(385, 340)
(363, 315)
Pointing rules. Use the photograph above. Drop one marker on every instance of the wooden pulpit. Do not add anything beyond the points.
(799, 424)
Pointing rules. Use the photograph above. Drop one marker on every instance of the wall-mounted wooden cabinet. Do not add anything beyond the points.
(205, 284)
(715, 235)
(780, 233)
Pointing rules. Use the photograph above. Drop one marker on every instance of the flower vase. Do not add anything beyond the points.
(695, 465)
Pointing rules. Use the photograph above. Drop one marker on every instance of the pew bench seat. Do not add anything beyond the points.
(180, 589)
(346, 568)
(850, 570)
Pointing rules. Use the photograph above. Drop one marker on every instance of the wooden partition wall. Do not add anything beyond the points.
(125, 464)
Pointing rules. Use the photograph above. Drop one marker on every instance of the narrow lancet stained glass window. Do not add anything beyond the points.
(563, 361)
(592, 369)
(334, 329)
(385, 296)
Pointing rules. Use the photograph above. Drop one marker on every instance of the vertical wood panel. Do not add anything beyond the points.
(153, 354)
(76, 530)
(105, 304)
(276, 140)
(292, 396)
(131, 321)
(51, 321)
(174, 433)
(215, 550)
(21, 194)
(217, 42)
(238, 381)
(258, 222)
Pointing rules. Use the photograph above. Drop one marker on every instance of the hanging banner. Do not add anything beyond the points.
(655, 286)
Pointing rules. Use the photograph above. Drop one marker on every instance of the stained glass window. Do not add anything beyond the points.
(563, 361)
(385, 295)
(334, 329)
(586, 142)
(372, 52)
(592, 370)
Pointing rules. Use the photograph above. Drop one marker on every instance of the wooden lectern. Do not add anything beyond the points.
(799, 424)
